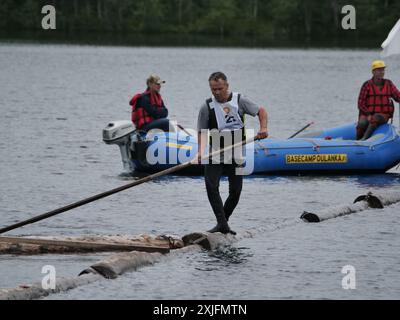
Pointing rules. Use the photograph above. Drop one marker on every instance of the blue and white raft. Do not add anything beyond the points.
(329, 151)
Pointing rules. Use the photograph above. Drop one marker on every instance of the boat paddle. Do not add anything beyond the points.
(301, 130)
(122, 188)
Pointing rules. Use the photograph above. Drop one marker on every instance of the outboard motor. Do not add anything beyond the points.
(119, 133)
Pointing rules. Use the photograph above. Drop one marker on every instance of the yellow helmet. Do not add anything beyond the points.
(378, 64)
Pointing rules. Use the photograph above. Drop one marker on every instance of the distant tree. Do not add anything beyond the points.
(219, 18)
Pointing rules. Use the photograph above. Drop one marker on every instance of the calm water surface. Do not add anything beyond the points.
(55, 101)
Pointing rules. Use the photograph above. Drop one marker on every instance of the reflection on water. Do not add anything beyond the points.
(225, 256)
(386, 180)
(372, 180)
(368, 180)
(178, 40)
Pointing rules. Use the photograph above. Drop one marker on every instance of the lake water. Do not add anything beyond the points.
(55, 101)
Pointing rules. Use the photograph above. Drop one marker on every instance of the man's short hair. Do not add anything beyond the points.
(218, 76)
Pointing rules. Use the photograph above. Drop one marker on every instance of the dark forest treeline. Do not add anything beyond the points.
(267, 20)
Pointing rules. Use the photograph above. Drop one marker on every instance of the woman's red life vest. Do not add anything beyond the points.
(139, 115)
(379, 99)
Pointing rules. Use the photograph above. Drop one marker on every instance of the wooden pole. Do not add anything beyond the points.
(119, 189)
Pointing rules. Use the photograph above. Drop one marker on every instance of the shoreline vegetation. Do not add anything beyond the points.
(225, 23)
(174, 40)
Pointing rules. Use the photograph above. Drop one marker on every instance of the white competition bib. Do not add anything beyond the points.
(227, 114)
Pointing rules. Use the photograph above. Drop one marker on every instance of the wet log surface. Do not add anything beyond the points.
(87, 244)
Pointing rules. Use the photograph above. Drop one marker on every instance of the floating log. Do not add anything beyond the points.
(363, 202)
(36, 291)
(209, 241)
(109, 268)
(116, 265)
(379, 201)
(22, 245)
(334, 212)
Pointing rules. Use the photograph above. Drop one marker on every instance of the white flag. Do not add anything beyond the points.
(391, 45)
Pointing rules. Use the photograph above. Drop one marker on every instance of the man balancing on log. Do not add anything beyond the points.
(375, 101)
(223, 117)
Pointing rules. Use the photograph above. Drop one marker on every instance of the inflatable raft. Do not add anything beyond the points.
(329, 151)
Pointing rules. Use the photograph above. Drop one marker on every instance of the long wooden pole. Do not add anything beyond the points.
(119, 189)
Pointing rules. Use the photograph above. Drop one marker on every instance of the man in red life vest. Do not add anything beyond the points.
(148, 108)
(375, 101)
